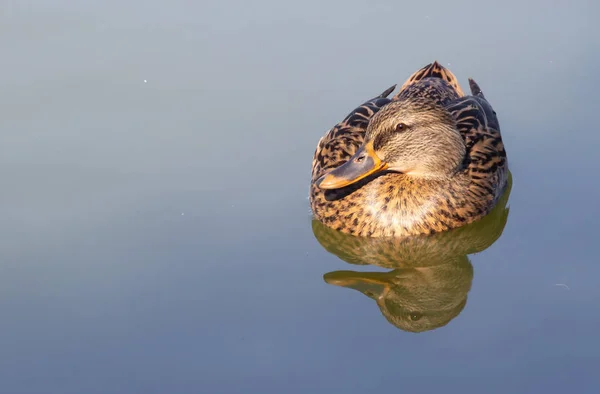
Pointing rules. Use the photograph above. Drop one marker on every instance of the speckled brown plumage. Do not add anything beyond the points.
(397, 204)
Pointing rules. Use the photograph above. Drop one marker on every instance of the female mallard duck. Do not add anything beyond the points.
(428, 160)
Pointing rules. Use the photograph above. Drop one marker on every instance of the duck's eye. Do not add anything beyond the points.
(401, 127)
(414, 316)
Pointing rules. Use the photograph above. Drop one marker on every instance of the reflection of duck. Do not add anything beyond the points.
(414, 299)
(428, 160)
(432, 274)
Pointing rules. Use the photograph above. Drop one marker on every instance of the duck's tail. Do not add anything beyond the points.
(434, 70)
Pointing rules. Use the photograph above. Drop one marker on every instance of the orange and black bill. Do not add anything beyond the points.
(364, 163)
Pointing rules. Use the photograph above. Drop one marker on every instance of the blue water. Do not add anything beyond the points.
(156, 232)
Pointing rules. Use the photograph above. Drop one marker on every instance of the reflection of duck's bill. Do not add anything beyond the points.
(371, 284)
(364, 163)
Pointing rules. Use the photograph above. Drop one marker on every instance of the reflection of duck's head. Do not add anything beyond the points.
(431, 275)
(414, 299)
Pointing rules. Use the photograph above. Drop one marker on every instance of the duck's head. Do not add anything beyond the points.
(412, 136)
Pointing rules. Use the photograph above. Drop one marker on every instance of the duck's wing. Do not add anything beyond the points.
(433, 81)
(342, 140)
(485, 161)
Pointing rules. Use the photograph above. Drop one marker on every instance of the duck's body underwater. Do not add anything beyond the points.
(428, 160)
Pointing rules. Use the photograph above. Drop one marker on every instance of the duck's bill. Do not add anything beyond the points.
(364, 163)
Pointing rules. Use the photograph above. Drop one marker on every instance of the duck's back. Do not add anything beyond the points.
(434, 82)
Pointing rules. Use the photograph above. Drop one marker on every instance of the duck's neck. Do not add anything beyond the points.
(390, 205)
(411, 204)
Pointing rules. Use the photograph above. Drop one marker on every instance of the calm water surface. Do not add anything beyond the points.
(156, 233)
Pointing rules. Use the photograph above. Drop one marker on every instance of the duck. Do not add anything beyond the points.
(427, 160)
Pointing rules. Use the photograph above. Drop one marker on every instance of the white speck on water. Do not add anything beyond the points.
(182, 213)
(449, 64)
(145, 81)
(550, 62)
(562, 285)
